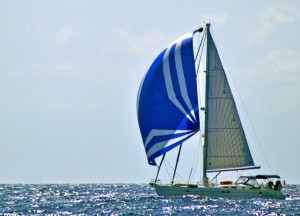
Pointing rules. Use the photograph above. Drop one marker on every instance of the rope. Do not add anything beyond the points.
(200, 53)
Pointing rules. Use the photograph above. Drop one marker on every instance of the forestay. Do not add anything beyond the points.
(167, 102)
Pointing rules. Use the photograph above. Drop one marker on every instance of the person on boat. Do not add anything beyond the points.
(278, 185)
(270, 184)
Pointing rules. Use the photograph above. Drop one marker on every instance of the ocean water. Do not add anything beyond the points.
(131, 199)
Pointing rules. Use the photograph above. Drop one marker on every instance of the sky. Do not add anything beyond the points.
(70, 72)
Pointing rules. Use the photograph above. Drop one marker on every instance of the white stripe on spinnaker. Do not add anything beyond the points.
(164, 144)
(181, 78)
(157, 132)
(169, 84)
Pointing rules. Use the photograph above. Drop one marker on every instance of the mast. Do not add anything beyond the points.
(205, 178)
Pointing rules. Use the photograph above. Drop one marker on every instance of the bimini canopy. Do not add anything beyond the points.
(167, 101)
(261, 176)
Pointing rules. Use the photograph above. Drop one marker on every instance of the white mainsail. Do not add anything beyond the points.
(225, 140)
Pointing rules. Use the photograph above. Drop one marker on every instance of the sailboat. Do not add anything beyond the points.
(169, 114)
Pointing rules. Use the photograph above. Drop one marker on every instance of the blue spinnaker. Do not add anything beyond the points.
(167, 102)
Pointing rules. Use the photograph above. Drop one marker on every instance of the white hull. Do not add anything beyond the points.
(173, 190)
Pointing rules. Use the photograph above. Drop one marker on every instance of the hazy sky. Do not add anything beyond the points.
(70, 72)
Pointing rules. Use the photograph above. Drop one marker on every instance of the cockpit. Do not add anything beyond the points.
(261, 181)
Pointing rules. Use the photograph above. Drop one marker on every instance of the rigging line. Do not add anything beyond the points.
(199, 91)
(247, 114)
(202, 115)
(200, 53)
(200, 97)
(167, 168)
(199, 47)
(196, 158)
(180, 177)
(190, 176)
(242, 172)
(170, 166)
(230, 174)
(201, 146)
(197, 151)
(216, 176)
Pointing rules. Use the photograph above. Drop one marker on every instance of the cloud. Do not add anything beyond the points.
(217, 19)
(278, 83)
(272, 17)
(131, 42)
(69, 70)
(284, 65)
(63, 35)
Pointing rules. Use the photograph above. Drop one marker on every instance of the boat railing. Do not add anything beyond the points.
(177, 183)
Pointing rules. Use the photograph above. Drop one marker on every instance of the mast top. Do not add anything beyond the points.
(207, 26)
